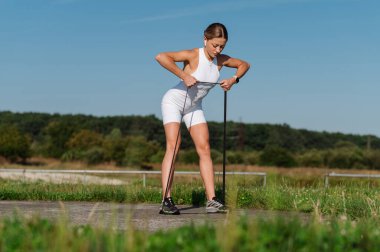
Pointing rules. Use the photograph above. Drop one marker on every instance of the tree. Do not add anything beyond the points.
(56, 135)
(13, 144)
(188, 156)
(85, 145)
(139, 150)
(114, 146)
(372, 158)
(346, 156)
(276, 156)
(84, 140)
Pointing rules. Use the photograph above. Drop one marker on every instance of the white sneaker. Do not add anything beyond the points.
(215, 206)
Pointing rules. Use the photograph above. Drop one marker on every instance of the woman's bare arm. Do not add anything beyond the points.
(241, 69)
(168, 60)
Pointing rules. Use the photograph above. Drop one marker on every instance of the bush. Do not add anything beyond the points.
(346, 158)
(157, 157)
(345, 144)
(71, 155)
(312, 158)
(188, 156)
(114, 146)
(251, 158)
(372, 159)
(277, 156)
(139, 150)
(13, 144)
(56, 134)
(234, 157)
(216, 156)
(85, 140)
(95, 155)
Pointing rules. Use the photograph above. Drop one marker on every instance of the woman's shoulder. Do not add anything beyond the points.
(222, 58)
(188, 52)
(191, 54)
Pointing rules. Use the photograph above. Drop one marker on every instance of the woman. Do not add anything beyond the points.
(184, 101)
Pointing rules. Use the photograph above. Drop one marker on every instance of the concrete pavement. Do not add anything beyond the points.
(140, 216)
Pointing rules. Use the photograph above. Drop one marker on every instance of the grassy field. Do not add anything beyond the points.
(345, 215)
(297, 189)
(354, 198)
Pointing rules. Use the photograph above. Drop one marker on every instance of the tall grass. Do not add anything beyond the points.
(236, 234)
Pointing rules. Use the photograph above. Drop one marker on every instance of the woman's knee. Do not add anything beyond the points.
(203, 149)
(170, 146)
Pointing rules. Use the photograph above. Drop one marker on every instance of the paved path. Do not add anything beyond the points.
(141, 216)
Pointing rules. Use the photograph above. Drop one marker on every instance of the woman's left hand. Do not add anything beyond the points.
(226, 84)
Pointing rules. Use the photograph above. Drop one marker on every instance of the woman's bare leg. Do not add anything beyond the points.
(200, 135)
(171, 132)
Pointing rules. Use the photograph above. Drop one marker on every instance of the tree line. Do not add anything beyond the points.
(139, 140)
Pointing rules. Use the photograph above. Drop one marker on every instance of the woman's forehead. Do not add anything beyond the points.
(219, 41)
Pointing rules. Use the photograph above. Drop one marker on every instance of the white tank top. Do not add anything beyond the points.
(207, 71)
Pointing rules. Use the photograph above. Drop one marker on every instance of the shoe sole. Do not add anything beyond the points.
(215, 210)
(169, 213)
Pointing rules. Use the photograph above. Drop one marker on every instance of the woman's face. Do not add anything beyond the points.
(214, 46)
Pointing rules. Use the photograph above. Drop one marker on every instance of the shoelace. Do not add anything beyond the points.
(170, 200)
(216, 203)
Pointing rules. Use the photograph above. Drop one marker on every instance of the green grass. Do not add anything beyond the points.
(350, 211)
(278, 234)
(353, 199)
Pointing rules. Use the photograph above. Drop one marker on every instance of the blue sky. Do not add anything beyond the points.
(314, 63)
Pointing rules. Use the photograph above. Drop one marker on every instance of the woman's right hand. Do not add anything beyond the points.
(189, 80)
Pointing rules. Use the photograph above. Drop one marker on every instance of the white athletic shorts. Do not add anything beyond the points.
(172, 108)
